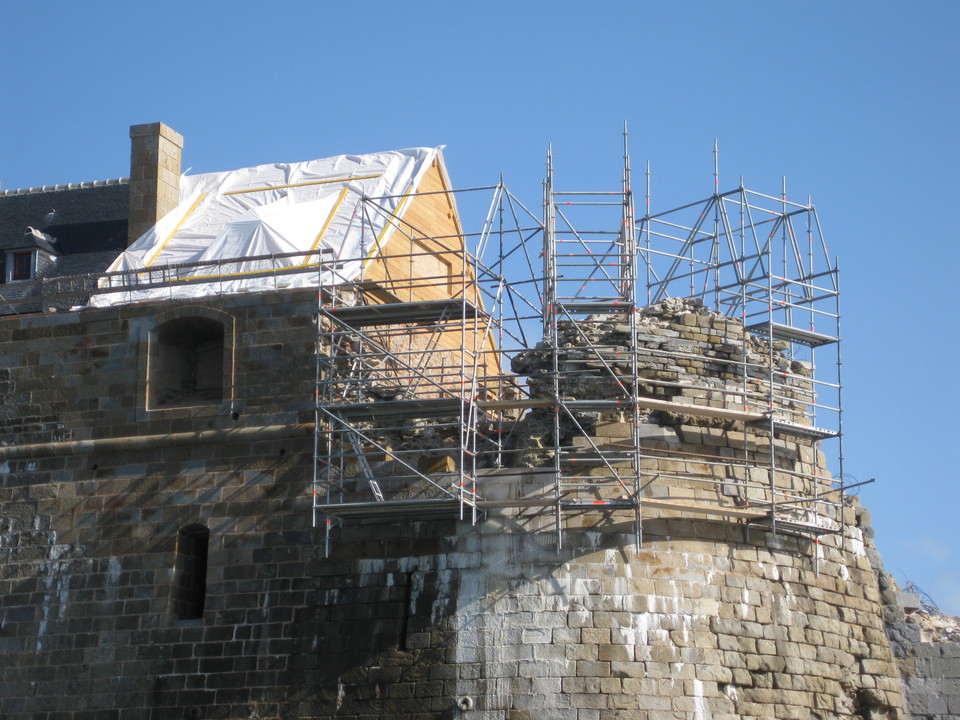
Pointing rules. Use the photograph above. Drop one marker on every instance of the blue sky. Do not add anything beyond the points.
(856, 103)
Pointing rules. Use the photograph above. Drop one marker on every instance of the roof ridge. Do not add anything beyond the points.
(68, 186)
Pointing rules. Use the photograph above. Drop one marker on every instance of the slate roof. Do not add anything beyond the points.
(90, 217)
(34, 238)
(85, 234)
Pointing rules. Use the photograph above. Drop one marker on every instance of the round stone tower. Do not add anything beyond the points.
(739, 601)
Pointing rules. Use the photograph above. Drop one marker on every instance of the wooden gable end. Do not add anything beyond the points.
(423, 259)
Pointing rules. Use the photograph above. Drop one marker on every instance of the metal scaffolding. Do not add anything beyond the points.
(522, 367)
(424, 406)
(763, 259)
(589, 278)
(413, 401)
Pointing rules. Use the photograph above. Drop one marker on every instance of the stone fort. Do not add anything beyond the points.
(295, 441)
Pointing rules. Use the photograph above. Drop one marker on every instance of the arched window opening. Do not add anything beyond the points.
(190, 572)
(187, 363)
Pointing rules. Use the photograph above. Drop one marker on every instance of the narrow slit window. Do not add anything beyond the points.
(190, 572)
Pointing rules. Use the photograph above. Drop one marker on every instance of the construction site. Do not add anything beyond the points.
(316, 449)
(484, 379)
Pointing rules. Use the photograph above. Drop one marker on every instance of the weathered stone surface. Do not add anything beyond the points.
(405, 618)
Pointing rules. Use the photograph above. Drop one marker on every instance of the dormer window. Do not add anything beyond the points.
(21, 266)
(32, 260)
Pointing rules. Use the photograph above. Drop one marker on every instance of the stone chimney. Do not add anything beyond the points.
(154, 175)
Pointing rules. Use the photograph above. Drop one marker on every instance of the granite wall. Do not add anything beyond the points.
(418, 618)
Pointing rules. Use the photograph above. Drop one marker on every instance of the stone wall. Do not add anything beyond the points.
(419, 618)
(689, 359)
(929, 663)
(926, 646)
(93, 490)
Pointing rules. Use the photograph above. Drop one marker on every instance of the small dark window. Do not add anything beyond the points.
(21, 266)
(190, 588)
(187, 363)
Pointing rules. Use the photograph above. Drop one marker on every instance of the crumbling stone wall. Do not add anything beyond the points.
(691, 356)
(926, 647)
(927, 651)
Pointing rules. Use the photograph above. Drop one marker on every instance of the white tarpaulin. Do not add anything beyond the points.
(311, 210)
